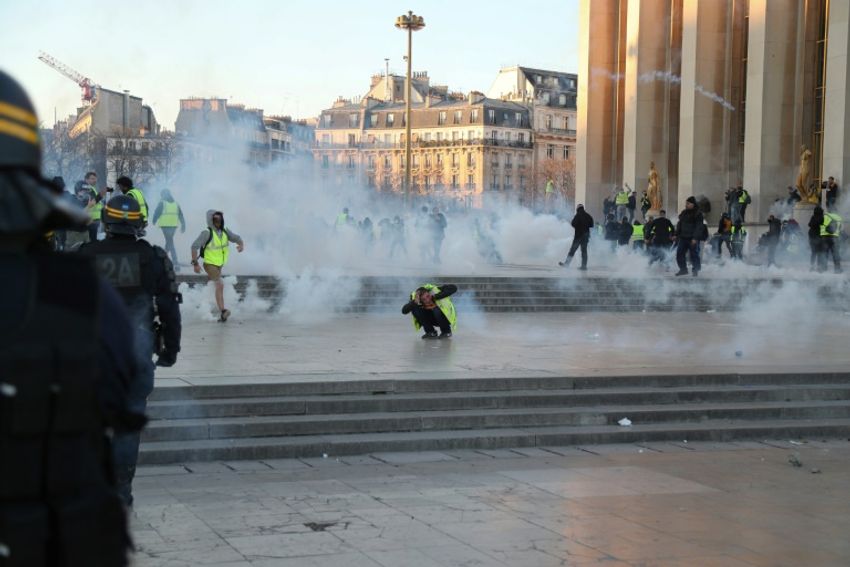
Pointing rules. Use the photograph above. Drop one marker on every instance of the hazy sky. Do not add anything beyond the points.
(285, 56)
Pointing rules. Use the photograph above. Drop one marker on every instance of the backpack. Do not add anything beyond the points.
(209, 239)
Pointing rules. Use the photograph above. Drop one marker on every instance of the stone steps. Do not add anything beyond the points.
(568, 293)
(354, 444)
(389, 422)
(308, 418)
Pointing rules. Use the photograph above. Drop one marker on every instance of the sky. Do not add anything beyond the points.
(285, 56)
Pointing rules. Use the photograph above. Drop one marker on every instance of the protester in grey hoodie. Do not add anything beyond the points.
(212, 246)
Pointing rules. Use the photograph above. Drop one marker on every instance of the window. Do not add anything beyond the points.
(550, 151)
(390, 119)
(415, 160)
(455, 135)
(491, 116)
(326, 120)
(470, 135)
(470, 159)
(353, 119)
(494, 182)
(493, 135)
(439, 136)
(388, 139)
(427, 181)
(373, 120)
(508, 161)
(350, 164)
(352, 140)
(458, 116)
(518, 118)
(566, 152)
(566, 122)
(505, 118)
(388, 161)
(441, 119)
(325, 162)
(494, 160)
(520, 137)
(522, 181)
(473, 115)
(131, 145)
(427, 160)
(439, 159)
(508, 182)
(371, 161)
(546, 98)
(470, 181)
(326, 139)
(455, 159)
(455, 181)
(402, 161)
(507, 136)
(548, 121)
(521, 160)
(387, 184)
(562, 100)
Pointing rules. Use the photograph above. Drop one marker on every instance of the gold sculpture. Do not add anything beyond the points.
(807, 192)
(653, 192)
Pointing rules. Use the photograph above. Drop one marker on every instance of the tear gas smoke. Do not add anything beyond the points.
(667, 77)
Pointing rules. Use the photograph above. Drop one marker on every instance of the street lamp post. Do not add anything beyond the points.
(411, 23)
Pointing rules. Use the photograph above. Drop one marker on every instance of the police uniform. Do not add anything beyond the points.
(144, 277)
(64, 381)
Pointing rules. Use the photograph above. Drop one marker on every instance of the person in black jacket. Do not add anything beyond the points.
(689, 232)
(430, 306)
(582, 223)
(659, 235)
(814, 236)
(612, 231)
(774, 231)
(624, 236)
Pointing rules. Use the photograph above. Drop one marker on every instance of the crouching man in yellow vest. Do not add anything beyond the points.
(211, 246)
(430, 306)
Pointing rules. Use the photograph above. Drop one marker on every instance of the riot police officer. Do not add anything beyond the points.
(67, 364)
(144, 277)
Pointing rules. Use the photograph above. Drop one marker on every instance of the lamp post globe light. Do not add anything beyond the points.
(410, 22)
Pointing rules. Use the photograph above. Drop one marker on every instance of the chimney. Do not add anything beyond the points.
(475, 97)
(126, 118)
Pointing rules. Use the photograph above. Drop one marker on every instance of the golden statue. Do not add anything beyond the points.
(808, 193)
(653, 192)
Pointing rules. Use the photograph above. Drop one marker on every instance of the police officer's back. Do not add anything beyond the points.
(64, 379)
(144, 277)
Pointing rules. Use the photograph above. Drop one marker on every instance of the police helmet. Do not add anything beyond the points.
(31, 204)
(122, 215)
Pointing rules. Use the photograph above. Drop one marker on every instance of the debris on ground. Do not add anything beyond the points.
(815, 471)
(625, 422)
(796, 442)
(794, 459)
(739, 353)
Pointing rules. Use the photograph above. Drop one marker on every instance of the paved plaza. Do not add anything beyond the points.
(659, 504)
(257, 348)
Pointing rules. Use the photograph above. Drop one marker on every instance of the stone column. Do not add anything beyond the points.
(771, 154)
(836, 136)
(704, 137)
(647, 82)
(597, 102)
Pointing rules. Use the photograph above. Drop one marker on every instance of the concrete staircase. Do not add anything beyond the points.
(549, 294)
(264, 421)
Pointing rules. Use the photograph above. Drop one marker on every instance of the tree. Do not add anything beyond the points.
(562, 172)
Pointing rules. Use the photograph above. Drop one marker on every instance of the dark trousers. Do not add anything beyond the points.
(93, 228)
(686, 246)
(718, 241)
(829, 247)
(438, 243)
(125, 446)
(772, 244)
(429, 318)
(658, 253)
(579, 241)
(168, 233)
(815, 248)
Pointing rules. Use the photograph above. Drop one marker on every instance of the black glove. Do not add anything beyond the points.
(166, 359)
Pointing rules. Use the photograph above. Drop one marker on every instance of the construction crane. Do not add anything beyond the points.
(89, 88)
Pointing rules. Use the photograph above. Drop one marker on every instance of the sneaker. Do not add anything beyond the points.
(446, 335)
(430, 335)
(682, 273)
(583, 268)
(695, 273)
(563, 264)
(224, 315)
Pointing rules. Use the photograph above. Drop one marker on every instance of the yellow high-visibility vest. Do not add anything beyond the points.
(215, 252)
(140, 199)
(445, 305)
(170, 217)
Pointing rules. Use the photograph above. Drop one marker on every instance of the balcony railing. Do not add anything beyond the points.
(559, 132)
(425, 144)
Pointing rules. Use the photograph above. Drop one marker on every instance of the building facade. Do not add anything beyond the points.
(462, 146)
(551, 97)
(717, 93)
